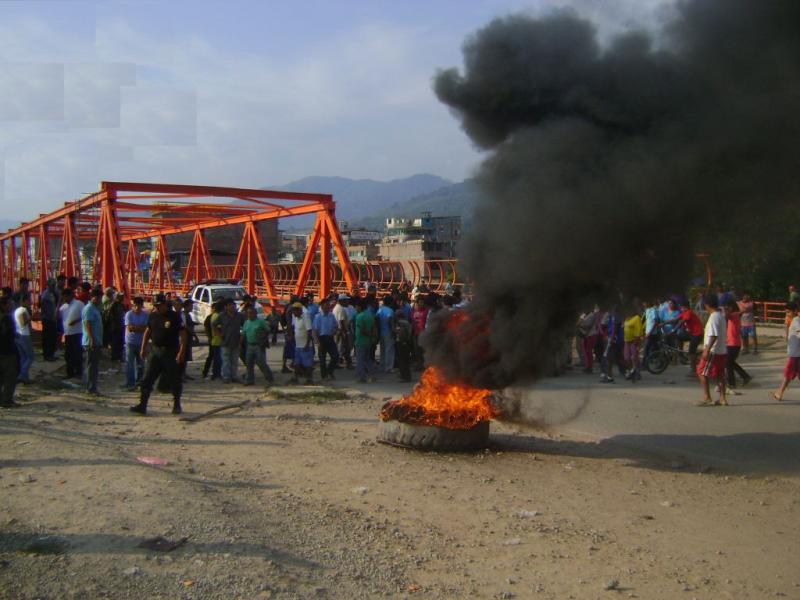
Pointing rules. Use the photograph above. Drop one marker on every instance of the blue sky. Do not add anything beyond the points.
(240, 92)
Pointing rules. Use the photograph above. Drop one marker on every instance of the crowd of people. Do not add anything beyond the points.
(359, 331)
(711, 332)
(362, 331)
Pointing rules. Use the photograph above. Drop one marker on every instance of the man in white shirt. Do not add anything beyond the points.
(22, 323)
(304, 347)
(715, 353)
(345, 339)
(70, 314)
(792, 368)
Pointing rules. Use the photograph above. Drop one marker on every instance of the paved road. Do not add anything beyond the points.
(754, 435)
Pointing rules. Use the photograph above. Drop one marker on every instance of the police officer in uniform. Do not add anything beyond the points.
(165, 329)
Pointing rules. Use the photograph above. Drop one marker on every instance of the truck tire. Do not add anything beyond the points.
(427, 437)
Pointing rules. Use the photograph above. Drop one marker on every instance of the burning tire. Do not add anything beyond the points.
(427, 437)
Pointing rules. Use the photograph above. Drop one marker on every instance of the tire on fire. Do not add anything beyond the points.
(428, 437)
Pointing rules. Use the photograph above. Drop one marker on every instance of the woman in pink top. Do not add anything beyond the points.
(734, 335)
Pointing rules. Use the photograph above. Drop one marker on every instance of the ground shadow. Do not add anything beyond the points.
(170, 470)
(744, 453)
(104, 543)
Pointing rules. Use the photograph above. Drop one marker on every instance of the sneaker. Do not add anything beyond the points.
(140, 409)
(176, 408)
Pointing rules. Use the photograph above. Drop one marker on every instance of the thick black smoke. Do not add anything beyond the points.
(610, 166)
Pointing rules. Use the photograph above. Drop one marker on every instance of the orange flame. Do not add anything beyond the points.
(438, 402)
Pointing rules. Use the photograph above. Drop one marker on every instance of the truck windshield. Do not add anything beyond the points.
(225, 293)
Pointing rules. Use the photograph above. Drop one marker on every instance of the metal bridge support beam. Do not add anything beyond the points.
(44, 257)
(308, 260)
(25, 255)
(3, 263)
(199, 266)
(68, 263)
(251, 255)
(108, 256)
(325, 266)
(160, 271)
(12, 262)
(132, 275)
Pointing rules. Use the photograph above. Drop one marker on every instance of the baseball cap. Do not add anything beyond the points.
(297, 305)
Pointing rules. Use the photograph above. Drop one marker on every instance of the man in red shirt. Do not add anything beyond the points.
(691, 328)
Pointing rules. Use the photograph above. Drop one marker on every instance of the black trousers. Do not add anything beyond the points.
(117, 340)
(732, 368)
(9, 371)
(402, 354)
(73, 354)
(49, 338)
(327, 348)
(161, 363)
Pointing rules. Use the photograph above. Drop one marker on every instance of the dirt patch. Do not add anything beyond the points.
(302, 502)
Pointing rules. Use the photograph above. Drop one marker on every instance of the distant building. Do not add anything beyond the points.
(421, 238)
(361, 243)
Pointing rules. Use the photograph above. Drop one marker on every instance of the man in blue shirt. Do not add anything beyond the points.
(668, 313)
(385, 316)
(324, 328)
(92, 341)
(312, 307)
(135, 324)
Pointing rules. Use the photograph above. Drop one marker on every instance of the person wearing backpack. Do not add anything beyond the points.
(366, 337)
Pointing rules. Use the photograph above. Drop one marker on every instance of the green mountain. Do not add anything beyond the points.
(358, 198)
(458, 199)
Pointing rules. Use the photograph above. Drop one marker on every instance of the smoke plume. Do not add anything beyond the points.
(609, 166)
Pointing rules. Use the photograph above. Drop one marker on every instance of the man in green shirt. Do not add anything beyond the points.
(366, 337)
(256, 339)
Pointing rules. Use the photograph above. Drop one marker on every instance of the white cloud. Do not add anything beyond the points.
(126, 103)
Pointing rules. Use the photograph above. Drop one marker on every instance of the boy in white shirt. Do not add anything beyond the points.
(715, 353)
(792, 368)
(22, 323)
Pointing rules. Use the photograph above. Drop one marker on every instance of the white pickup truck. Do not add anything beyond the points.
(204, 295)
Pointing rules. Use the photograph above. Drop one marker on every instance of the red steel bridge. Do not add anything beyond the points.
(98, 239)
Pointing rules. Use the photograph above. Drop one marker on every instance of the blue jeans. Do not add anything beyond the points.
(387, 352)
(91, 367)
(256, 357)
(134, 365)
(230, 363)
(25, 347)
(364, 365)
